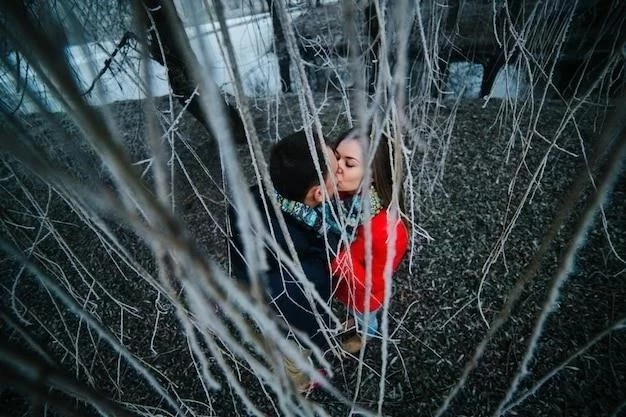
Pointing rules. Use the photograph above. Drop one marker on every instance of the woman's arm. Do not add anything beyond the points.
(351, 263)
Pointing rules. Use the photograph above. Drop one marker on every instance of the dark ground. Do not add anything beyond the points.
(434, 316)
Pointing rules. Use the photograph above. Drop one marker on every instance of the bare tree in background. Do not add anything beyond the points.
(117, 301)
(164, 37)
(281, 48)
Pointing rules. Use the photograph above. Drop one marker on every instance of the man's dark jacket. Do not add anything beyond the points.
(283, 289)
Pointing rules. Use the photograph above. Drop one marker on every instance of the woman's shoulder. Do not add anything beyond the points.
(381, 219)
(383, 216)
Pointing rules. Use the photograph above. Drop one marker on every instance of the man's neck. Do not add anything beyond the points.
(311, 202)
(301, 211)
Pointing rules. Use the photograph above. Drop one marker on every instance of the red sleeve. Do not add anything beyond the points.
(350, 265)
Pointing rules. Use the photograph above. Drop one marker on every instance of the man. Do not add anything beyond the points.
(299, 192)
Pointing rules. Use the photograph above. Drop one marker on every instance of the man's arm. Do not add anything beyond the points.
(292, 301)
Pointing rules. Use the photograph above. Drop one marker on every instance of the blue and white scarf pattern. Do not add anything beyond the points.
(323, 219)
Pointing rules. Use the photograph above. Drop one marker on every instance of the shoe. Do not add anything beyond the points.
(313, 383)
(300, 380)
(353, 344)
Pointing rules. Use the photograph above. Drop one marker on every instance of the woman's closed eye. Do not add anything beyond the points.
(351, 162)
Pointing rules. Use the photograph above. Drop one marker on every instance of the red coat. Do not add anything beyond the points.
(349, 266)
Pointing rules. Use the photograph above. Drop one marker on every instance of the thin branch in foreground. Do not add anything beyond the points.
(619, 325)
(35, 377)
(614, 130)
(76, 309)
(128, 36)
(567, 265)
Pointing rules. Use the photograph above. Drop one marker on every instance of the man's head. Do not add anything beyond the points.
(293, 171)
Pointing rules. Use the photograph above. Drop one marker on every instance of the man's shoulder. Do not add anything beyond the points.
(301, 232)
(304, 238)
(255, 193)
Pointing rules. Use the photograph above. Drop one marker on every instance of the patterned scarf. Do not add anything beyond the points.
(306, 215)
(323, 219)
(351, 213)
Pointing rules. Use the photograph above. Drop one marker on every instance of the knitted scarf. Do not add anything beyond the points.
(322, 220)
(351, 213)
(306, 215)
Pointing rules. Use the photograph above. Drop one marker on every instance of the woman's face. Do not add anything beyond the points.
(350, 165)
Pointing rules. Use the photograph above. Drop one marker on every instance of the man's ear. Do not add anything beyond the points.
(318, 194)
(314, 196)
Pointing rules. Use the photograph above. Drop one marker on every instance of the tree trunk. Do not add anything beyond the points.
(491, 67)
(280, 47)
(372, 29)
(164, 28)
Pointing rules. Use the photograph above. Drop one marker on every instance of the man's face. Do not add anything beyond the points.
(318, 193)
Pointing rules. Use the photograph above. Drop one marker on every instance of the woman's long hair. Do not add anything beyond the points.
(387, 170)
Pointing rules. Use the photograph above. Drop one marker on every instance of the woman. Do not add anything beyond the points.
(360, 292)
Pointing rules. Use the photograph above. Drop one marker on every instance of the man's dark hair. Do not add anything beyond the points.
(292, 169)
